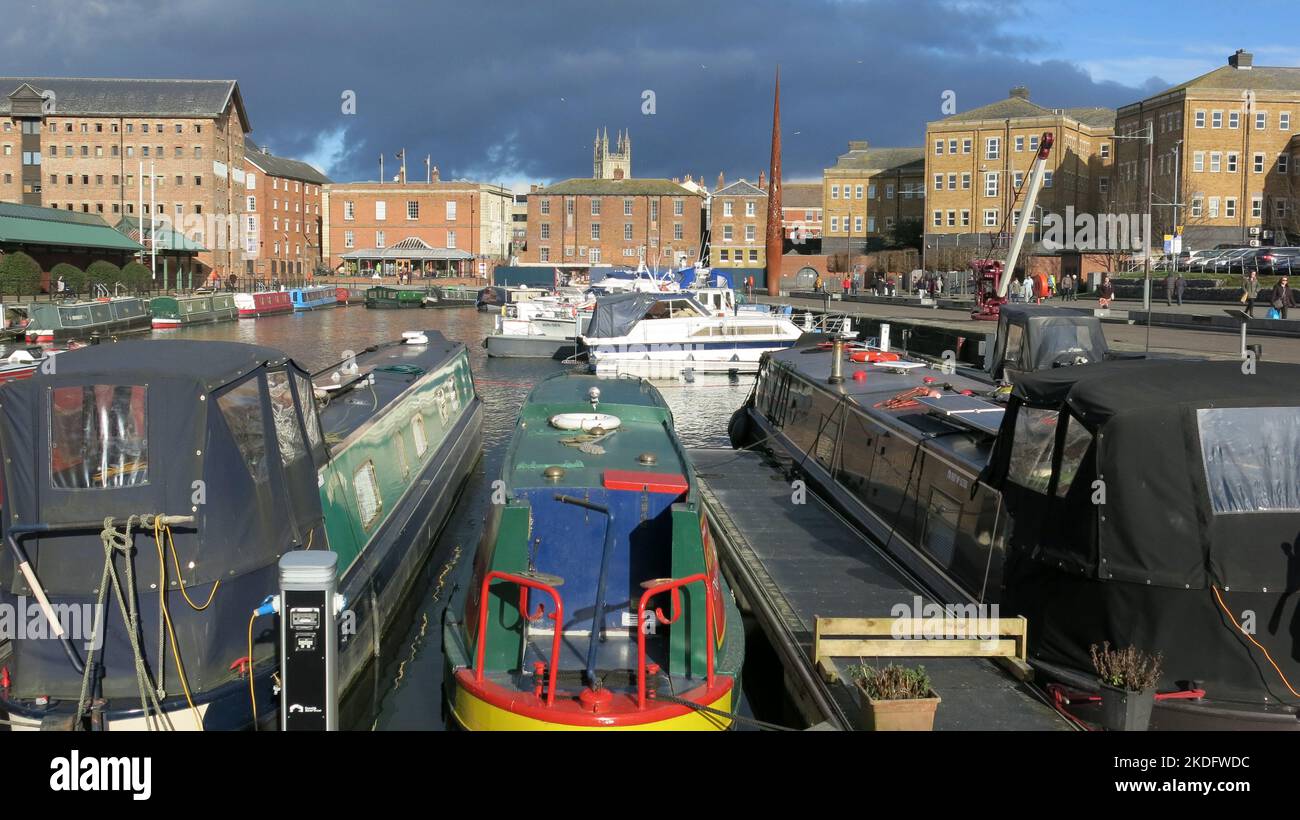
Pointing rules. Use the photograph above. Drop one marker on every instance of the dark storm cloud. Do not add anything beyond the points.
(513, 91)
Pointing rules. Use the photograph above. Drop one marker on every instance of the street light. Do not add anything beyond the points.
(1150, 140)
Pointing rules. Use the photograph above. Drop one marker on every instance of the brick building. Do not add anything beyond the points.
(81, 144)
(431, 228)
(867, 193)
(282, 215)
(976, 161)
(801, 211)
(738, 225)
(1229, 141)
(585, 222)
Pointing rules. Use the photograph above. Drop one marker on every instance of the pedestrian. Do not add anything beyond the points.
(1051, 285)
(1105, 293)
(817, 284)
(1169, 288)
(61, 286)
(1180, 285)
(1066, 282)
(1282, 297)
(845, 284)
(1250, 291)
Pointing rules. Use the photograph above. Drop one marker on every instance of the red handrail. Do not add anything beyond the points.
(673, 585)
(558, 617)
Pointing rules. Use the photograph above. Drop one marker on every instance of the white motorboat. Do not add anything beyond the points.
(674, 335)
(547, 327)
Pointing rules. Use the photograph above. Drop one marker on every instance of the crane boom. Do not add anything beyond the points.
(1026, 210)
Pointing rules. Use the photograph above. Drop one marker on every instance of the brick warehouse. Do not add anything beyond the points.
(416, 227)
(77, 144)
(976, 161)
(1229, 141)
(738, 217)
(586, 222)
(282, 215)
(867, 194)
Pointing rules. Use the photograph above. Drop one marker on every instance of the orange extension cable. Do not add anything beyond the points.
(1251, 638)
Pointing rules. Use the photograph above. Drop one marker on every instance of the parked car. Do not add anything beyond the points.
(1276, 261)
(1234, 261)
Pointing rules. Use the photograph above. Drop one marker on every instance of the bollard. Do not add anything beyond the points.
(309, 641)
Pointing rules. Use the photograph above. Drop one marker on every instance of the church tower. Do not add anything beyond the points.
(616, 164)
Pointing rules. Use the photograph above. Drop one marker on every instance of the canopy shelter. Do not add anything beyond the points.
(1138, 488)
(222, 431)
(1040, 337)
(51, 236)
(614, 316)
(410, 256)
(176, 252)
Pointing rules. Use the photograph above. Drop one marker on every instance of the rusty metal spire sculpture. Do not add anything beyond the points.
(775, 231)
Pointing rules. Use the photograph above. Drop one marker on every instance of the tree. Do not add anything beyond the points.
(907, 233)
(136, 277)
(20, 274)
(104, 273)
(74, 278)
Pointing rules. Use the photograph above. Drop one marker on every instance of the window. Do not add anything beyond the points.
(284, 418)
(835, 191)
(252, 203)
(545, 231)
(938, 147)
(1216, 119)
(1261, 120)
(1256, 207)
(1214, 207)
(1249, 455)
(349, 239)
(381, 211)
(99, 437)
(451, 210)
(751, 208)
(1103, 185)
(379, 239)
(1200, 119)
(595, 231)
(993, 148)
(595, 206)
(1077, 441)
(546, 255)
(545, 206)
(857, 192)
(857, 227)
(965, 219)
(1230, 206)
(627, 231)
(1197, 204)
(349, 209)
(952, 146)
(952, 219)
(1232, 162)
(889, 190)
(1047, 179)
(1234, 119)
(938, 219)
(1198, 161)
(1216, 162)
(952, 182)
(726, 208)
(1281, 163)
(1105, 150)
(966, 145)
(1259, 163)
(991, 183)
(990, 217)
(938, 182)
(451, 240)
(369, 504)
(198, 152)
(1020, 144)
(835, 224)
(1031, 448)
(679, 207)
(242, 409)
(1284, 120)
(965, 181)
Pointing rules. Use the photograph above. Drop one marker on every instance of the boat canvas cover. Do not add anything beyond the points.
(1137, 485)
(171, 427)
(1049, 333)
(615, 316)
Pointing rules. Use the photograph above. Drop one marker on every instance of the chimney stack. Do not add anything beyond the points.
(435, 175)
(1242, 60)
(762, 180)
(722, 183)
(1020, 92)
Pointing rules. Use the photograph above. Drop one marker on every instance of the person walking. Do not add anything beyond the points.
(1169, 289)
(1067, 281)
(1282, 297)
(845, 284)
(1105, 293)
(1180, 285)
(1250, 290)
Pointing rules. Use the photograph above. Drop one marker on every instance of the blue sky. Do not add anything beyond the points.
(513, 92)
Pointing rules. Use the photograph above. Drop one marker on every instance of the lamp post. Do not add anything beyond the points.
(1149, 139)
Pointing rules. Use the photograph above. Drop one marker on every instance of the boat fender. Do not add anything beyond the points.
(585, 421)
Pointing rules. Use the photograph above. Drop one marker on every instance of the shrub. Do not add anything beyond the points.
(136, 276)
(74, 278)
(19, 274)
(893, 682)
(1128, 668)
(103, 273)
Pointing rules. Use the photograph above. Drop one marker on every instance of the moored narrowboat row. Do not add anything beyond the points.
(317, 297)
(263, 303)
(391, 297)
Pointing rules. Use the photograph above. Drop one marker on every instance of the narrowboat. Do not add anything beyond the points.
(664, 335)
(450, 296)
(391, 297)
(62, 321)
(1142, 502)
(175, 311)
(317, 297)
(596, 601)
(263, 303)
(235, 455)
(350, 296)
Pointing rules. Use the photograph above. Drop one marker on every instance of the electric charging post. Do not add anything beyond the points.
(309, 605)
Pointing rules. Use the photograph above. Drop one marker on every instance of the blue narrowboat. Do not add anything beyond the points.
(316, 297)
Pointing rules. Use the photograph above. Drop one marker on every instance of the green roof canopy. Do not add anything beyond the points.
(34, 225)
(169, 239)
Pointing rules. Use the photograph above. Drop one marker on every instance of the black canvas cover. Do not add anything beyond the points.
(1151, 482)
(1043, 337)
(615, 315)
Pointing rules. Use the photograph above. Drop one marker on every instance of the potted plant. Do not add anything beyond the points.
(895, 698)
(1128, 680)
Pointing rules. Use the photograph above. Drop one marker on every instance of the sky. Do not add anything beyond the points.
(513, 92)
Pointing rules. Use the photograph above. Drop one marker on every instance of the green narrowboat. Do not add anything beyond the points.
(177, 311)
(388, 297)
(596, 600)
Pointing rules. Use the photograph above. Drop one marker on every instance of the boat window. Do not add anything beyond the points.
(1015, 334)
(401, 454)
(242, 409)
(369, 503)
(285, 415)
(308, 399)
(1031, 448)
(98, 437)
(1077, 441)
(421, 440)
(1251, 457)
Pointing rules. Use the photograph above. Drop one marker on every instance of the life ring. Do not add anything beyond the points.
(873, 356)
(585, 421)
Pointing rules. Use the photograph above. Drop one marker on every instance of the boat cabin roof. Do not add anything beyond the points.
(208, 364)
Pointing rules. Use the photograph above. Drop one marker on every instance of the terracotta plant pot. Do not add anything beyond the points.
(1123, 710)
(912, 715)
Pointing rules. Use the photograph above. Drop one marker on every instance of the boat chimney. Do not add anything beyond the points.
(837, 360)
